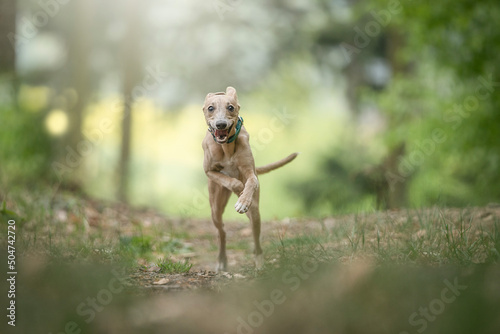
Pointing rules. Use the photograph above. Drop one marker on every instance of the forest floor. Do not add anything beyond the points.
(72, 226)
(158, 255)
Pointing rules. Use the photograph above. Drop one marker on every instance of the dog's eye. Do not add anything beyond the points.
(230, 108)
(210, 108)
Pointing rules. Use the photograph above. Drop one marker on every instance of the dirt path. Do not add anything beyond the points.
(101, 243)
(196, 240)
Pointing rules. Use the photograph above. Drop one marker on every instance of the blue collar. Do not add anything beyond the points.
(233, 137)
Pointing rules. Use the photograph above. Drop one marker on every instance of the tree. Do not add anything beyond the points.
(79, 51)
(131, 72)
(453, 90)
(7, 43)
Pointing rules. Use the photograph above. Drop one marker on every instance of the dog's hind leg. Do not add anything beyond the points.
(219, 197)
(254, 216)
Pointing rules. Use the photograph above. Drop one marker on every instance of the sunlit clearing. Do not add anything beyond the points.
(57, 122)
(33, 98)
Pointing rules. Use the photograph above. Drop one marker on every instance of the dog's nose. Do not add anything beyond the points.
(221, 125)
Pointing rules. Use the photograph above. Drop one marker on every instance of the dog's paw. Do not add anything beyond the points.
(221, 266)
(242, 205)
(259, 261)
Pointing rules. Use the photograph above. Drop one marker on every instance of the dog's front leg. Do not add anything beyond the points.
(251, 185)
(235, 185)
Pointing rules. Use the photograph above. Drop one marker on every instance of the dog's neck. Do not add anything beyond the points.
(236, 131)
(228, 149)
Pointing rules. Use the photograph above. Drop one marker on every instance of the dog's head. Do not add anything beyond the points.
(221, 113)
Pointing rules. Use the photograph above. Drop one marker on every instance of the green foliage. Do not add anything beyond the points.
(442, 102)
(420, 113)
(453, 89)
(333, 190)
(339, 186)
(25, 146)
(168, 266)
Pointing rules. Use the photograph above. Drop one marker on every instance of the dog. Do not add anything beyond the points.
(230, 168)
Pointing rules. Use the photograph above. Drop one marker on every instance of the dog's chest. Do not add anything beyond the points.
(228, 167)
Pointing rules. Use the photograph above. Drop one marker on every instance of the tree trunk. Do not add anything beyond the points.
(131, 73)
(79, 52)
(8, 10)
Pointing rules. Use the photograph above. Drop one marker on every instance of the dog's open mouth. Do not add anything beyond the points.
(221, 135)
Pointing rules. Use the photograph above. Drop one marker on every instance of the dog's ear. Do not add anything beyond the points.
(230, 91)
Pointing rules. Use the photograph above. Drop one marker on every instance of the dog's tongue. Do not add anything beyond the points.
(220, 134)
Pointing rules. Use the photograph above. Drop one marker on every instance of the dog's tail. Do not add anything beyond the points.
(274, 165)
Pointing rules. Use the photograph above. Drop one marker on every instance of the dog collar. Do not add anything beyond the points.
(233, 137)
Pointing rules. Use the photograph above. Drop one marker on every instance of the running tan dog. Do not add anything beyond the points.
(230, 167)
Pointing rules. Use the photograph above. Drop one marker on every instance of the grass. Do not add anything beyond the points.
(67, 227)
(426, 237)
(356, 273)
(63, 225)
(168, 266)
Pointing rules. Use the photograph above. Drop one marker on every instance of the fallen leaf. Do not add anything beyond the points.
(162, 281)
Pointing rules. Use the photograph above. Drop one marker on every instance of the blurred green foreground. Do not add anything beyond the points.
(305, 298)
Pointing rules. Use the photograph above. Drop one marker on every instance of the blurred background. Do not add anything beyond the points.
(391, 103)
